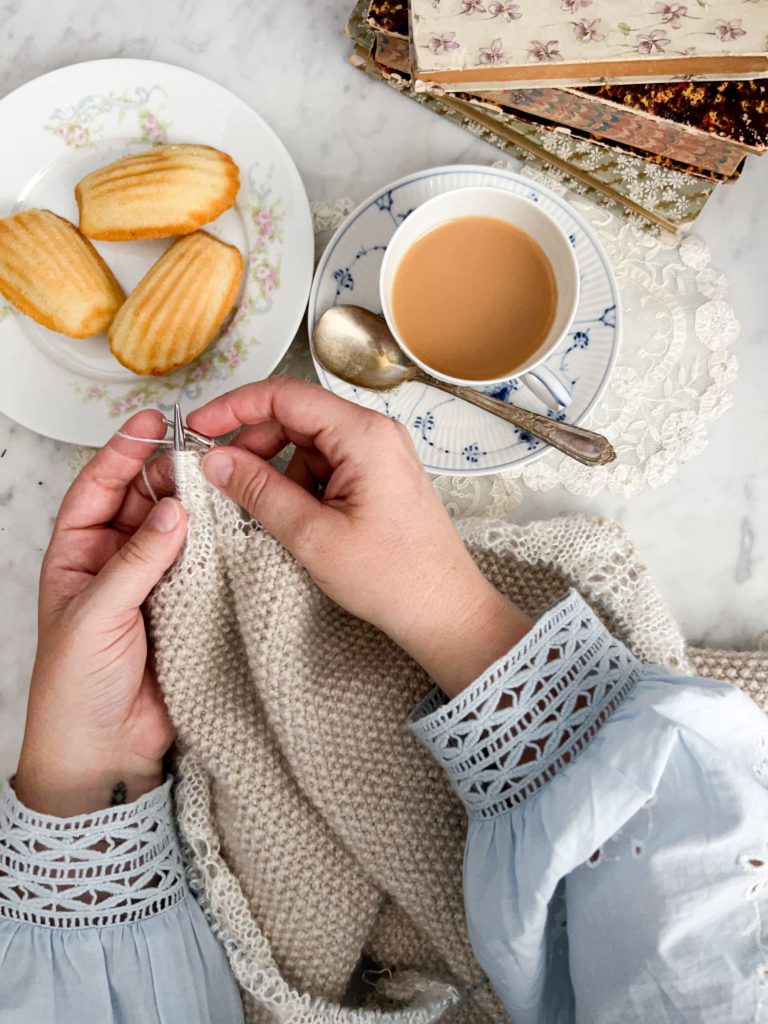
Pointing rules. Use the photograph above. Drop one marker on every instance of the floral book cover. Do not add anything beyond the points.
(467, 45)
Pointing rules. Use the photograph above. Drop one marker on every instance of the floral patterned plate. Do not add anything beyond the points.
(65, 124)
(452, 437)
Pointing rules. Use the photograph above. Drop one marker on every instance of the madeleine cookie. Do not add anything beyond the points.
(53, 274)
(170, 190)
(177, 308)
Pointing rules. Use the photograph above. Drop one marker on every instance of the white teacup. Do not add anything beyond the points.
(525, 215)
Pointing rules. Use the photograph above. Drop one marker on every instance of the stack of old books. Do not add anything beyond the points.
(642, 104)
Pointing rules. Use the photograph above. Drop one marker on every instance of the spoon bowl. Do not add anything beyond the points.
(357, 346)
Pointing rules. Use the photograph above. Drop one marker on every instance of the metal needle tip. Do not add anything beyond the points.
(179, 443)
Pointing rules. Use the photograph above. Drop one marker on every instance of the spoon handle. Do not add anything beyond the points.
(583, 445)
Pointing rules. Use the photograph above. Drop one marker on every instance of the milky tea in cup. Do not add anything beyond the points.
(474, 296)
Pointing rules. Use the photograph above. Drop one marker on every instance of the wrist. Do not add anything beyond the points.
(53, 785)
(466, 626)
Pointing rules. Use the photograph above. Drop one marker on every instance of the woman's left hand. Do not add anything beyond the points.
(97, 727)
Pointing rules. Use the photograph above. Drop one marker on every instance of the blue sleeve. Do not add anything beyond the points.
(616, 865)
(97, 925)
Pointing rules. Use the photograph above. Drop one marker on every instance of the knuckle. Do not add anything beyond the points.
(394, 435)
(403, 433)
(304, 536)
(253, 488)
(131, 555)
(383, 426)
(281, 382)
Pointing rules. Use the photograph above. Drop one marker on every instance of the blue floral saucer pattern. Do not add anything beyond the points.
(451, 436)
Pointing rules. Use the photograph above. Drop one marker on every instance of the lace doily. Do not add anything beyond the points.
(672, 376)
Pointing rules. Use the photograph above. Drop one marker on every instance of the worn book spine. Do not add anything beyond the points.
(607, 143)
(609, 123)
(631, 126)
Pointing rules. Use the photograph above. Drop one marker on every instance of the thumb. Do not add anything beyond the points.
(281, 505)
(126, 580)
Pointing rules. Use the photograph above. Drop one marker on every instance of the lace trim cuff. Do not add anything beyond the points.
(532, 712)
(111, 867)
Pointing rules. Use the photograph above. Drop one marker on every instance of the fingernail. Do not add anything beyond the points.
(218, 467)
(165, 516)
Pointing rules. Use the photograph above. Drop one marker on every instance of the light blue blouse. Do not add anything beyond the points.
(616, 867)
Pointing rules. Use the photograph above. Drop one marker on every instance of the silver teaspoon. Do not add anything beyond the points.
(357, 346)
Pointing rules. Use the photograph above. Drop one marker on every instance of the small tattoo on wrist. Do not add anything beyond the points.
(119, 794)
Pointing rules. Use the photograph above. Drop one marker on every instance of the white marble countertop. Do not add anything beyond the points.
(703, 535)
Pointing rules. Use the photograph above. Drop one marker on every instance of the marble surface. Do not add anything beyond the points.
(704, 535)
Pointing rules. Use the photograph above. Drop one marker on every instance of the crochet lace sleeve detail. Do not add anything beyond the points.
(531, 712)
(114, 866)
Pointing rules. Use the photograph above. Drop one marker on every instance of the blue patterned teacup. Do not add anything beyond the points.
(525, 215)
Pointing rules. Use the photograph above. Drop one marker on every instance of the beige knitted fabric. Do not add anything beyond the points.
(318, 829)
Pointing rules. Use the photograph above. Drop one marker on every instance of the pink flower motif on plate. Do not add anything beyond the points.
(508, 11)
(152, 129)
(587, 30)
(653, 42)
(572, 6)
(231, 356)
(264, 223)
(269, 276)
(671, 13)
(493, 54)
(200, 371)
(439, 44)
(725, 30)
(545, 53)
(470, 6)
(74, 135)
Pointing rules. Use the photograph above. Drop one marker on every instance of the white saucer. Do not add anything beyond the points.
(66, 123)
(452, 437)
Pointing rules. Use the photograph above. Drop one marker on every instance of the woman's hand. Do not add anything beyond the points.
(97, 727)
(357, 510)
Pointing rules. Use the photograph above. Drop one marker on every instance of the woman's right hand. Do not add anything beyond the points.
(356, 508)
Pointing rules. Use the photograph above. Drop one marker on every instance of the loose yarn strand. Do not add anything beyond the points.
(162, 442)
